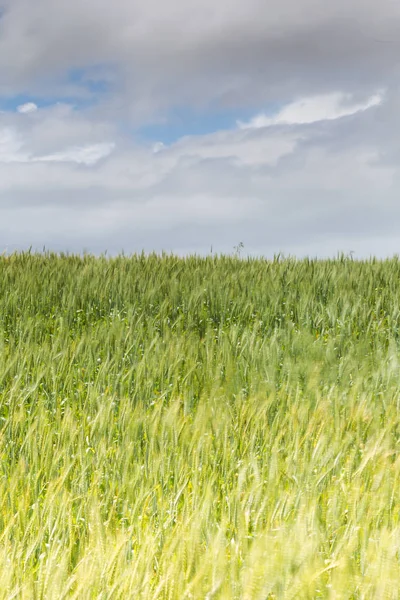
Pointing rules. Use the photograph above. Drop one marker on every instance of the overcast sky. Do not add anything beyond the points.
(182, 125)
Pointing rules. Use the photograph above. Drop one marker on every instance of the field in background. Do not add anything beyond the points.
(203, 428)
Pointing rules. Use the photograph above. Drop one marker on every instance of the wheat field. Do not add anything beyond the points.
(199, 428)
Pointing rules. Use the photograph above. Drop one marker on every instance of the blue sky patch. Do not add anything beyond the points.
(90, 79)
(185, 122)
(10, 104)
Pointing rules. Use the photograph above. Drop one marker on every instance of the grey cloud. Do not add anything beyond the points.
(162, 54)
(320, 187)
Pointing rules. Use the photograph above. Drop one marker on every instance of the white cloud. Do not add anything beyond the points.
(11, 146)
(273, 189)
(13, 150)
(87, 155)
(315, 108)
(157, 147)
(57, 134)
(238, 147)
(29, 107)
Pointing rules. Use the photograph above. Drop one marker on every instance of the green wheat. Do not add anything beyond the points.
(204, 428)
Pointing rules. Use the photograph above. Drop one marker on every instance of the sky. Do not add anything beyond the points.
(188, 126)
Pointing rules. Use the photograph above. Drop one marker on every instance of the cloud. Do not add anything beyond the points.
(320, 187)
(11, 146)
(58, 134)
(156, 56)
(29, 107)
(158, 147)
(296, 177)
(313, 109)
(87, 155)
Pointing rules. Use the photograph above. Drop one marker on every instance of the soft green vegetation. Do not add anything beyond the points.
(203, 428)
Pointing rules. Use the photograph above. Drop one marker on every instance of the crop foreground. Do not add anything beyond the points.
(205, 428)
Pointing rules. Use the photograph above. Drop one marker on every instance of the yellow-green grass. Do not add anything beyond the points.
(199, 428)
